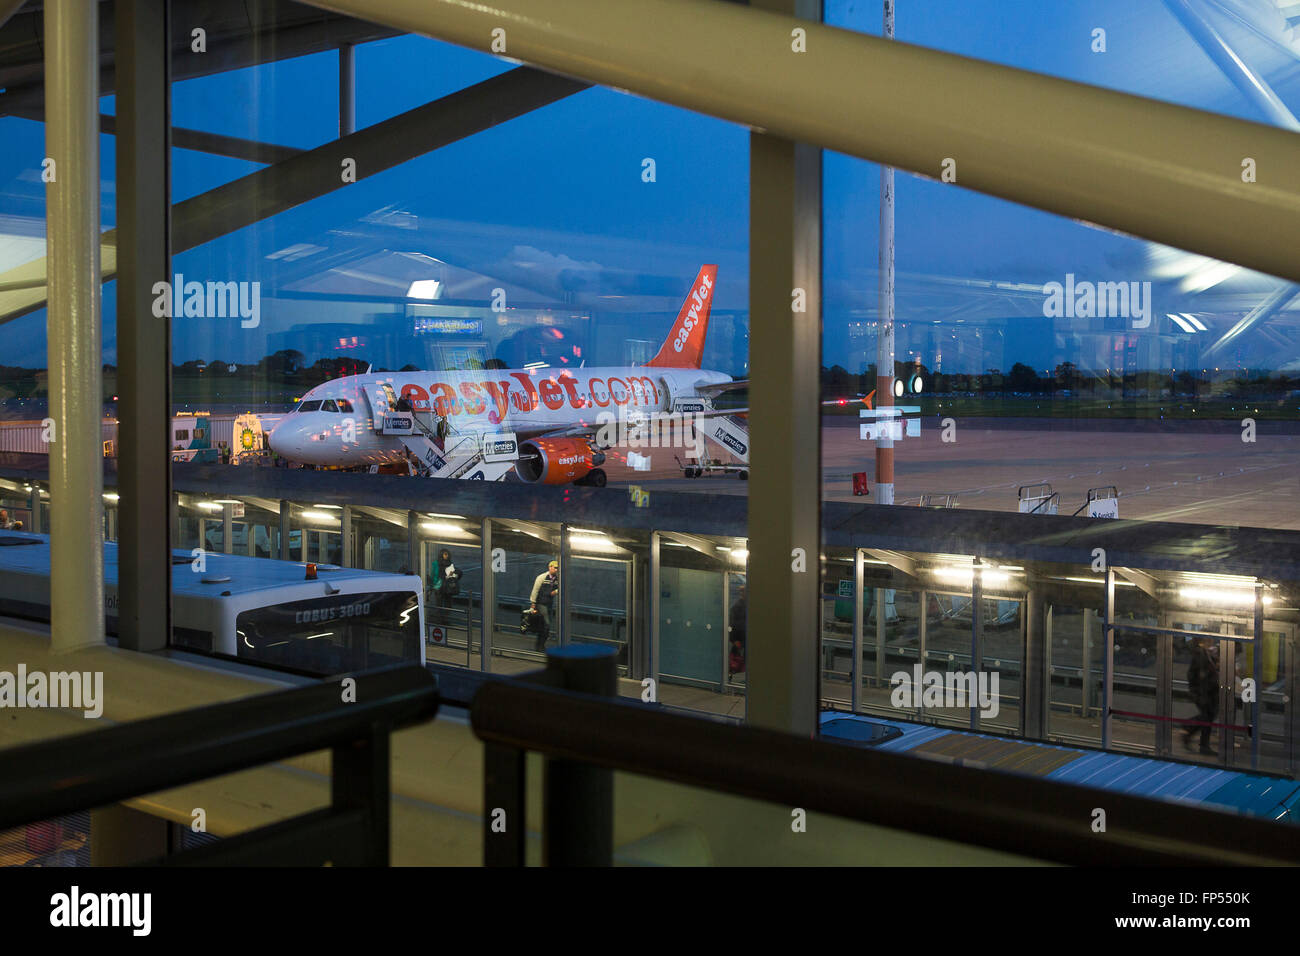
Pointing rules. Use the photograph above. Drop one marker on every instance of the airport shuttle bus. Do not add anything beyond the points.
(255, 610)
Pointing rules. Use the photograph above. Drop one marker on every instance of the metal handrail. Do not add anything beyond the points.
(1014, 814)
(52, 778)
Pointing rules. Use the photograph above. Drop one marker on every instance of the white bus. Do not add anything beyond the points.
(254, 610)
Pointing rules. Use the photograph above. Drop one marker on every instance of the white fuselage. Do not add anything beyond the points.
(342, 432)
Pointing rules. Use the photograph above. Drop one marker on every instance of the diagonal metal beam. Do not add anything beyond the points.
(390, 143)
(197, 140)
(1145, 167)
(214, 143)
(315, 173)
(8, 8)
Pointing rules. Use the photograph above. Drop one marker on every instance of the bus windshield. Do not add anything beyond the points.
(343, 632)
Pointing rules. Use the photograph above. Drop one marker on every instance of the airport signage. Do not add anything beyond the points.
(889, 423)
(438, 635)
(896, 429)
(504, 447)
(1103, 508)
(731, 441)
(399, 423)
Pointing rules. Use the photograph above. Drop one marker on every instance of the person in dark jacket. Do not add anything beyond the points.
(546, 586)
(1203, 686)
(443, 572)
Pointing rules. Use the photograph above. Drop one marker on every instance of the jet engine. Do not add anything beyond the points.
(558, 461)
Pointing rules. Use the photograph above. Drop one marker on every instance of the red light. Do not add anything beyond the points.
(311, 572)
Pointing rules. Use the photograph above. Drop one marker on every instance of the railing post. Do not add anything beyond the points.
(504, 825)
(578, 799)
(359, 778)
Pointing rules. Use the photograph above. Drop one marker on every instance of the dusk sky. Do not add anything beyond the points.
(559, 191)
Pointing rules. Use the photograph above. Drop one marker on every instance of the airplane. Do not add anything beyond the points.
(542, 424)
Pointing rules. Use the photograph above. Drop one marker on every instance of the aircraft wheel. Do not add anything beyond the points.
(597, 477)
(743, 476)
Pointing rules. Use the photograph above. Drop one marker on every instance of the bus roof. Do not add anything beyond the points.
(30, 553)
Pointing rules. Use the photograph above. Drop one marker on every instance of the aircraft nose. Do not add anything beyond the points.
(288, 439)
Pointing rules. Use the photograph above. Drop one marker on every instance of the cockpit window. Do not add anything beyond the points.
(312, 406)
(344, 405)
(328, 406)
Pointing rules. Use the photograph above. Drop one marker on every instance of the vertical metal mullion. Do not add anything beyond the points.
(652, 608)
(561, 622)
(488, 601)
(882, 596)
(1164, 688)
(855, 699)
(345, 537)
(976, 636)
(921, 640)
(74, 327)
(1108, 660)
(785, 184)
(285, 512)
(1257, 672)
(726, 629)
(412, 542)
(144, 480)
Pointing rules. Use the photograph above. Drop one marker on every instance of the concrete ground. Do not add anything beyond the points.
(1202, 477)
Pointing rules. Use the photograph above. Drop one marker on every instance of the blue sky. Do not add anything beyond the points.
(561, 188)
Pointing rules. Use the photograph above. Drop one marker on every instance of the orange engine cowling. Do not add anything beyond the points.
(556, 461)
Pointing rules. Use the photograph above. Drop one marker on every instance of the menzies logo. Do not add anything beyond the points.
(730, 441)
(698, 298)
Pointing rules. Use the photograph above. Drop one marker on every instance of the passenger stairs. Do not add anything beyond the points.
(472, 456)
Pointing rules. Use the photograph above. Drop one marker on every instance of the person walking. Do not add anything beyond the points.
(546, 587)
(1203, 686)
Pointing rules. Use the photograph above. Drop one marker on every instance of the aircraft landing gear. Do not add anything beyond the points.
(595, 478)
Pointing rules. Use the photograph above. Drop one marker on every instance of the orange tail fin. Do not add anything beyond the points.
(684, 347)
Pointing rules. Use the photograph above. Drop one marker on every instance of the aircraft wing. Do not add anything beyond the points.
(718, 389)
